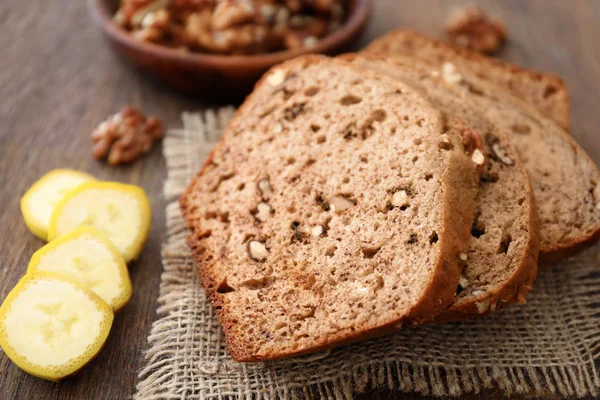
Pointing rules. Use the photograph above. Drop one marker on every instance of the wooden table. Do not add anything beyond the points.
(58, 79)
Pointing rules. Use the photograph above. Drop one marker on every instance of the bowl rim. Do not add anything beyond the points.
(353, 24)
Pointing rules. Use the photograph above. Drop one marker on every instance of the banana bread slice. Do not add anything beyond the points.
(545, 91)
(564, 178)
(502, 260)
(335, 208)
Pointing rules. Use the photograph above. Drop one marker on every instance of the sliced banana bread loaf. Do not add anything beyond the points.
(335, 208)
(545, 91)
(564, 178)
(502, 260)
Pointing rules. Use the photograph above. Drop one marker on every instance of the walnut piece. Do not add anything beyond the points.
(263, 211)
(258, 250)
(137, 19)
(338, 204)
(231, 26)
(316, 230)
(463, 281)
(360, 292)
(125, 136)
(229, 13)
(450, 75)
(470, 28)
(400, 199)
(501, 154)
(276, 77)
(305, 32)
(471, 139)
(264, 185)
(483, 305)
(478, 157)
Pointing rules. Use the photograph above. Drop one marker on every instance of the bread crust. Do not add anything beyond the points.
(512, 77)
(459, 190)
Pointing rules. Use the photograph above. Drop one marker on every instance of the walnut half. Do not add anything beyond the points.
(125, 136)
(470, 28)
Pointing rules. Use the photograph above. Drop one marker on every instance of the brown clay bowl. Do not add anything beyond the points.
(217, 77)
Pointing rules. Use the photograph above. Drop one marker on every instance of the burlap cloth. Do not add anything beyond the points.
(549, 346)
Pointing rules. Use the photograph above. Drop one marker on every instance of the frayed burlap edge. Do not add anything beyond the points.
(187, 356)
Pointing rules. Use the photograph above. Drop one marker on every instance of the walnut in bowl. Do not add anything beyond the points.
(231, 26)
(202, 52)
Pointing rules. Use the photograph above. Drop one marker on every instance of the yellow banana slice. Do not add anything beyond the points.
(51, 327)
(87, 256)
(39, 201)
(122, 212)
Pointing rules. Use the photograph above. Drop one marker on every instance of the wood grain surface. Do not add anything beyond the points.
(58, 79)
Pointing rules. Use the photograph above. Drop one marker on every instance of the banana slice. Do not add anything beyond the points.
(122, 212)
(51, 327)
(87, 256)
(39, 201)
